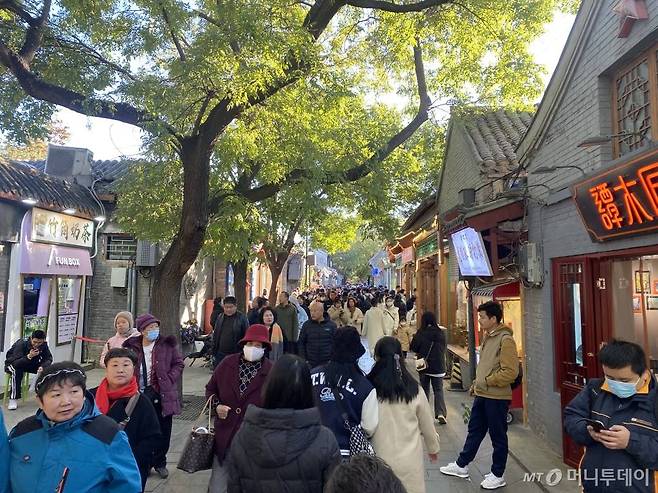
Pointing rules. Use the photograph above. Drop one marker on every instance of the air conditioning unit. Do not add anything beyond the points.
(70, 163)
(147, 254)
(531, 264)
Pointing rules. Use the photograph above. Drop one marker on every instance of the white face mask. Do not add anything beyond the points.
(253, 353)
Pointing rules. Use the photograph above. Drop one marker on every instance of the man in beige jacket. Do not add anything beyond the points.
(497, 369)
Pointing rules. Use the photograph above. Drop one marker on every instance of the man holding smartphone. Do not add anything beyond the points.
(615, 419)
(29, 355)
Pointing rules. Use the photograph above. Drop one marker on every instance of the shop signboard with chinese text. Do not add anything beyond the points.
(620, 202)
(471, 255)
(62, 229)
(398, 261)
(428, 247)
(407, 255)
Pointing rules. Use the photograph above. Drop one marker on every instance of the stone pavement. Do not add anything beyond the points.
(528, 454)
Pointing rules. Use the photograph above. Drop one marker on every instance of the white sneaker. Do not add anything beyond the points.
(453, 469)
(442, 419)
(492, 482)
(13, 405)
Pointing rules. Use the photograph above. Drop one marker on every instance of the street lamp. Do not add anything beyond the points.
(547, 168)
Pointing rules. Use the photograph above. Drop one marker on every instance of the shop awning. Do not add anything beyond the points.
(508, 288)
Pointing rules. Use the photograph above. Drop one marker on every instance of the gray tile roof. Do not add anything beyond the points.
(19, 181)
(111, 170)
(494, 136)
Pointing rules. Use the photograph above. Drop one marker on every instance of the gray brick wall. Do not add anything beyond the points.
(584, 111)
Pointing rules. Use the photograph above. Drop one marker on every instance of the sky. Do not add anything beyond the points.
(114, 140)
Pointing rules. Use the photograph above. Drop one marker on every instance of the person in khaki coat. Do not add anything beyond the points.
(496, 371)
(335, 312)
(405, 417)
(352, 316)
(374, 325)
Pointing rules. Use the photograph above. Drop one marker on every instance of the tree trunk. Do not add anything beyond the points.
(240, 270)
(276, 267)
(186, 245)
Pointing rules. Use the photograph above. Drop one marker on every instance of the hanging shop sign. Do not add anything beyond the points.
(428, 247)
(398, 261)
(620, 202)
(407, 255)
(61, 229)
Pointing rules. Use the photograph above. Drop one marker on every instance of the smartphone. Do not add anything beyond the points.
(596, 424)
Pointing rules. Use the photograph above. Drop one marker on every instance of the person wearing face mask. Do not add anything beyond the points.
(235, 384)
(118, 397)
(268, 317)
(615, 420)
(123, 325)
(391, 317)
(68, 445)
(158, 371)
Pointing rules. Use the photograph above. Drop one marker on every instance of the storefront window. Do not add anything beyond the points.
(36, 304)
(68, 306)
(635, 302)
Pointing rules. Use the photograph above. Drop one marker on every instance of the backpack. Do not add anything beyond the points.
(598, 383)
(519, 378)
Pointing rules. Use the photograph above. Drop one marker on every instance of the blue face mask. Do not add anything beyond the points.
(623, 390)
(153, 334)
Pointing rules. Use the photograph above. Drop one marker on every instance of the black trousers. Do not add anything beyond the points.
(437, 386)
(487, 415)
(160, 452)
(17, 371)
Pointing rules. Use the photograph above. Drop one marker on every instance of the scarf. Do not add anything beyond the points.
(247, 371)
(106, 397)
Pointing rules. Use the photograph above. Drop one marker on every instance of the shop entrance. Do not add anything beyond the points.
(596, 298)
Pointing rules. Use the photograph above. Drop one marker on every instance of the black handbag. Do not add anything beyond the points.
(359, 443)
(199, 449)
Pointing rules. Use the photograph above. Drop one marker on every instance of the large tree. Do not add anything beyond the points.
(185, 71)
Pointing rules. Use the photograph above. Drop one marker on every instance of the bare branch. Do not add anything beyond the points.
(77, 44)
(397, 7)
(174, 36)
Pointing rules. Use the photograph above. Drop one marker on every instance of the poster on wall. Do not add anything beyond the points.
(637, 304)
(34, 322)
(66, 325)
(643, 281)
(652, 302)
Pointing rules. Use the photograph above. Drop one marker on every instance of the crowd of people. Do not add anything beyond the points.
(296, 409)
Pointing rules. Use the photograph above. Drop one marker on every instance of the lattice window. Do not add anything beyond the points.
(633, 107)
(121, 247)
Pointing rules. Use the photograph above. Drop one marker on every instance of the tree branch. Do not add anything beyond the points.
(77, 44)
(174, 37)
(61, 96)
(396, 7)
(15, 8)
(364, 169)
(34, 35)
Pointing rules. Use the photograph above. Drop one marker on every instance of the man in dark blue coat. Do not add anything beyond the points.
(615, 419)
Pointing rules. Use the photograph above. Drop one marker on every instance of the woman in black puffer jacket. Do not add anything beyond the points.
(283, 447)
(430, 343)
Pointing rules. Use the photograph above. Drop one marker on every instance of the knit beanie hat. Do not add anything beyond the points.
(145, 320)
(347, 345)
(126, 316)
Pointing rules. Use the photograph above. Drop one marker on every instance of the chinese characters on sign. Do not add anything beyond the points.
(620, 202)
(471, 254)
(53, 227)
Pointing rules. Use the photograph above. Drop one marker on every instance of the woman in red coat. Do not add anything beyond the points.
(236, 383)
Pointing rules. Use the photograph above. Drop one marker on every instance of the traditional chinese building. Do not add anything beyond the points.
(591, 155)
(47, 230)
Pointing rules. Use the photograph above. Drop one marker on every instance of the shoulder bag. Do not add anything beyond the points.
(359, 443)
(130, 407)
(421, 363)
(199, 449)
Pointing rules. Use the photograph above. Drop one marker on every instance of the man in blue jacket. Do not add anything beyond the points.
(615, 419)
(69, 446)
(4, 457)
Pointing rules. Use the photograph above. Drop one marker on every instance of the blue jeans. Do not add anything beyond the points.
(487, 415)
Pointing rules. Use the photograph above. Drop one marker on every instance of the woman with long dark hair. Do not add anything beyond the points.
(282, 446)
(342, 379)
(405, 417)
(429, 343)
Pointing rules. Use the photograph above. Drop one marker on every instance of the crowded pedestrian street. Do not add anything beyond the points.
(328, 246)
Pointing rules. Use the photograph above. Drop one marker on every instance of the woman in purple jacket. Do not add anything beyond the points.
(158, 371)
(236, 383)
